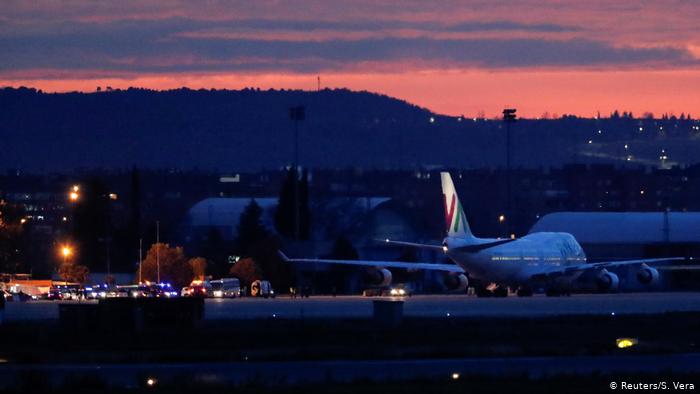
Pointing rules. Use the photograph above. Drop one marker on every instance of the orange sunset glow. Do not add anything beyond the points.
(457, 57)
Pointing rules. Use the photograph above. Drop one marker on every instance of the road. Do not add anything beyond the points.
(416, 306)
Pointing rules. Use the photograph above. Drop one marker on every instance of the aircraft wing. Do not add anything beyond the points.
(467, 248)
(384, 264)
(651, 262)
(571, 269)
(411, 244)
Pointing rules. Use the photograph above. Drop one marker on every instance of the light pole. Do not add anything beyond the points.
(140, 258)
(296, 114)
(509, 117)
(66, 251)
(158, 250)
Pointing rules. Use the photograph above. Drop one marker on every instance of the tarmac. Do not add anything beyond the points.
(338, 371)
(284, 307)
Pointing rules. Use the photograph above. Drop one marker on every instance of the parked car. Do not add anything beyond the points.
(66, 292)
(157, 290)
(197, 288)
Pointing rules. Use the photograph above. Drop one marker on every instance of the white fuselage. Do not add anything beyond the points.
(517, 261)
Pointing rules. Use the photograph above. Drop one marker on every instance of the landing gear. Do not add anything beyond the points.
(501, 291)
(483, 292)
(557, 292)
(491, 291)
(524, 291)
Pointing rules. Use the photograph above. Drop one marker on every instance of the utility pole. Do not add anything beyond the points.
(140, 259)
(296, 114)
(509, 117)
(158, 249)
(109, 259)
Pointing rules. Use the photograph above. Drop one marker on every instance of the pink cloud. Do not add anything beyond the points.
(443, 85)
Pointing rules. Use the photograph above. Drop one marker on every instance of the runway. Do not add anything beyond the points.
(289, 373)
(446, 306)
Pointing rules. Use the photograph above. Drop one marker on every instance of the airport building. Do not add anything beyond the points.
(223, 214)
(628, 235)
(607, 236)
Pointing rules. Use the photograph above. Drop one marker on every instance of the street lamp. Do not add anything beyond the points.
(66, 251)
(74, 193)
(509, 116)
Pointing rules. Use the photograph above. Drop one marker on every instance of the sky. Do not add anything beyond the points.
(542, 57)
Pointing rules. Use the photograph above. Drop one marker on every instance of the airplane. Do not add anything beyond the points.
(553, 261)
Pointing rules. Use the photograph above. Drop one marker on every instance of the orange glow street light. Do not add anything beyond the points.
(74, 193)
(66, 251)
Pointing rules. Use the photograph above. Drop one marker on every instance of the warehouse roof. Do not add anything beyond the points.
(227, 211)
(624, 227)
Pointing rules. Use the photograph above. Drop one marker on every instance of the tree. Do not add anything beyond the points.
(70, 271)
(216, 250)
(199, 267)
(174, 266)
(247, 271)
(265, 254)
(250, 228)
(339, 273)
(92, 224)
(11, 237)
(304, 211)
(285, 214)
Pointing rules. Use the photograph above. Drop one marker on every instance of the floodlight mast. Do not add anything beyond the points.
(296, 114)
(509, 116)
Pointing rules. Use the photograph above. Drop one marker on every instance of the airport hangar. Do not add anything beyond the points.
(608, 236)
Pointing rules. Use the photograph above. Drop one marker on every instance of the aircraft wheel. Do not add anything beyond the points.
(524, 292)
(552, 292)
(483, 292)
(501, 291)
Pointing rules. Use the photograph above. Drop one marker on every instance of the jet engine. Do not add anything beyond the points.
(457, 283)
(607, 281)
(647, 275)
(380, 277)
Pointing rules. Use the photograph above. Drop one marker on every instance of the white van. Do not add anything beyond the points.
(261, 288)
(225, 288)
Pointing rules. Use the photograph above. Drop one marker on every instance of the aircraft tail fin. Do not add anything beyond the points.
(455, 220)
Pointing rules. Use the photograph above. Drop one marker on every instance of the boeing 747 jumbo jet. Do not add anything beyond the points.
(551, 261)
